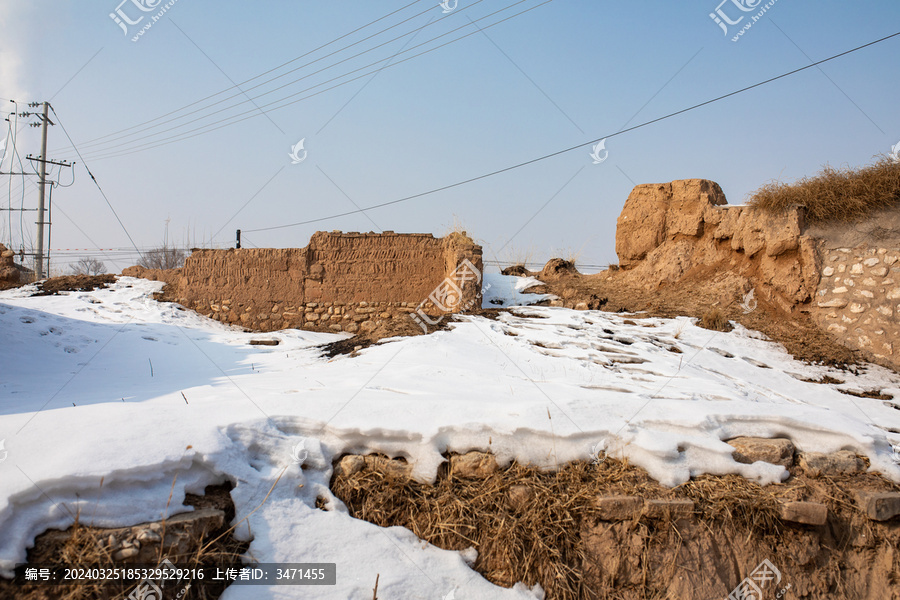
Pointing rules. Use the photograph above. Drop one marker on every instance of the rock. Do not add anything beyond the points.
(351, 465)
(674, 509)
(778, 451)
(473, 465)
(392, 468)
(844, 462)
(519, 497)
(807, 513)
(879, 506)
(264, 342)
(555, 268)
(148, 537)
(834, 302)
(618, 508)
(125, 553)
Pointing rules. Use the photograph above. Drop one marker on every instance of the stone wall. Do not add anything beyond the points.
(859, 298)
(339, 282)
(683, 231)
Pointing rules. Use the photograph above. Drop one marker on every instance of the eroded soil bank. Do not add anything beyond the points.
(606, 530)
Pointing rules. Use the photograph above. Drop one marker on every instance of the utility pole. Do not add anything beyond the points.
(45, 121)
(39, 259)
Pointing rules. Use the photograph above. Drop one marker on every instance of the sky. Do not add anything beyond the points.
(186, 133)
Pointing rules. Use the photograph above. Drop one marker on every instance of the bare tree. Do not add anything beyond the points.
(88, 266)
(164, 257)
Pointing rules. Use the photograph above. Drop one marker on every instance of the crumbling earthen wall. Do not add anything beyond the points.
(9, 274)
(671, 233)
(339, 282)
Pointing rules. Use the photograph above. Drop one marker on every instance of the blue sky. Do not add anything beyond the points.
(563, 73)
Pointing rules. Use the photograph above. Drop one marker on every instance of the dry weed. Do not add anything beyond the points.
(843, 194)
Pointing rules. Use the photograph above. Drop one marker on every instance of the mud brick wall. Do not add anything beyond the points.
(859, 298)
(339, 282)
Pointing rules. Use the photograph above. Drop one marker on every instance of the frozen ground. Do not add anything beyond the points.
(111, 384)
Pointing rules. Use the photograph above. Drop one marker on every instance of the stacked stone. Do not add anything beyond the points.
(351, 317)
(860, 296)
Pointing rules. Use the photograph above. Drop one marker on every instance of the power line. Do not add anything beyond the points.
(103, 153)
(273, 69)
(582, 145)
(97, 141)
(94, 179)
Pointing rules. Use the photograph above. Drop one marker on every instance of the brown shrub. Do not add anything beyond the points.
(716, 320)
(836, 194)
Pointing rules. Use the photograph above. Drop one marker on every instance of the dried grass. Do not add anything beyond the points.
(539, 541)
(715, 319)
(843, 194)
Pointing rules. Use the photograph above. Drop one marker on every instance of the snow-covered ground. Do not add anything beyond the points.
(110, 385)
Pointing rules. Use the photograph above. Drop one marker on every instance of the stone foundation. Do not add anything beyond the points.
(859, 298)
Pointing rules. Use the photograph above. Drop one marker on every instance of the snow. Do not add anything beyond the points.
(89, 428)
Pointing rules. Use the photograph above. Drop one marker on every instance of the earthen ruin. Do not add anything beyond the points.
(848, 281)
(9, 274)
(351, 282)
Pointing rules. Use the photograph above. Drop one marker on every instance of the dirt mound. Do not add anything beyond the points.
(73, 283)
(701, 290)
(556, 267)
(607, 530)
